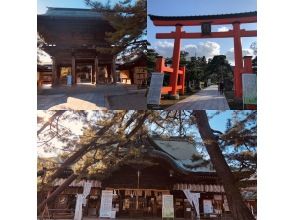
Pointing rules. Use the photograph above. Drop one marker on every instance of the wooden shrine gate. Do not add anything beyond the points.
(206, 22)
(175, 83)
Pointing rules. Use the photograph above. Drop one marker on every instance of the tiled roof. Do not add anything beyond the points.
(71, 12)
(181, 151)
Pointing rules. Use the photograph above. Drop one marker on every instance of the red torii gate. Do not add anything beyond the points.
(205, 22)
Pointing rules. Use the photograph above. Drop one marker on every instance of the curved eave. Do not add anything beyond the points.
(156, 154)
(246, 17)
(70, 18)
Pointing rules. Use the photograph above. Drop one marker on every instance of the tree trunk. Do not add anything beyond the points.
(51, 119)
(237, 206)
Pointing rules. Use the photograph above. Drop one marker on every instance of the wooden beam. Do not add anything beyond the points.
(226, 34)
(220, 21)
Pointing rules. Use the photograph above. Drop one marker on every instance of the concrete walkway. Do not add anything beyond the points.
(207, 99)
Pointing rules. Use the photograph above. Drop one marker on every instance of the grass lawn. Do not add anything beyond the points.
(234, 104)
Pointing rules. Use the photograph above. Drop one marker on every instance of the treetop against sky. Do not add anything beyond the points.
(199, 47)
(72, 124)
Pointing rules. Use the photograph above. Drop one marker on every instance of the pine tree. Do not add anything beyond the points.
(129, 21)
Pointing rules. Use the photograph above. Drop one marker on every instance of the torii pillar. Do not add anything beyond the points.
(238, 60)
(176, 60)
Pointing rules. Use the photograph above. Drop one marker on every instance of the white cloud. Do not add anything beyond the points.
(223, 29)
(207, 49)
(164, 48)
(245, 52)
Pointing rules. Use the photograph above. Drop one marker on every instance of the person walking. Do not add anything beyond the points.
(221, 87)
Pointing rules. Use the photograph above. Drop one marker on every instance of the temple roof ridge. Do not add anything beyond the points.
(71, 12)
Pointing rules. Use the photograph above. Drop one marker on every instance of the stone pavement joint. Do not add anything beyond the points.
(206, 99)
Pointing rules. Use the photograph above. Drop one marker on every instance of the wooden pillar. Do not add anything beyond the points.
(247, 64)
(91, 75)
(96, 69)
(113, 70)
(160, 64)
(54, 72)
(73, 69)
(238, 61)
(182, 80)
(176, 60)
(93, 78)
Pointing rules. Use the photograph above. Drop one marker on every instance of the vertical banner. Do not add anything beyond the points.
(167, 206)
(207, 206)
(195, 199)
(86, 191)
(249, 87)
(188, 195)
(79, 208)
(106, 204)
(154, 92)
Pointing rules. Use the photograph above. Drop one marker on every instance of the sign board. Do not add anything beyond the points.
(106, 204)
(154, 92)
(167, 206)
(207, 206)
(249, 86)
(206, 28)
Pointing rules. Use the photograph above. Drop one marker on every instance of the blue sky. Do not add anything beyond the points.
(198, 47)
(43, 4)
(207, 47)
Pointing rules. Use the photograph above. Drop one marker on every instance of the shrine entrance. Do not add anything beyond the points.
(206, 22)
(85, 74)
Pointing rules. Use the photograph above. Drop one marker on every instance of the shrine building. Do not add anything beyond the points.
(165, 169)
(71, 38)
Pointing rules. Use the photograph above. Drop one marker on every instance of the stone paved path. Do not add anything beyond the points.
(207, 99)
(136, 100)
(96, 97)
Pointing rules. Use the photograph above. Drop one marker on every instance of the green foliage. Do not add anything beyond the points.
(195, 69)
(121, 144)
(218, 69)
(239, 142)
(151, 60)
(128, 19)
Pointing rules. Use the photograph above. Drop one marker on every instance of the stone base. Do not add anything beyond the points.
(174, 97)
